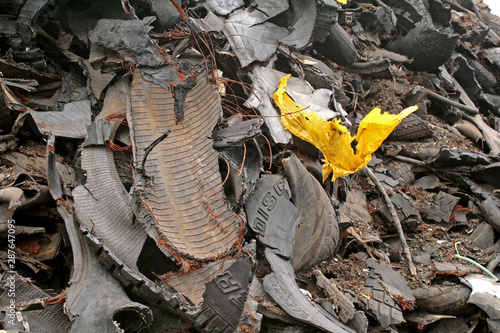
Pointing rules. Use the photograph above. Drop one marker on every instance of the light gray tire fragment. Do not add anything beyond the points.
(281, 285)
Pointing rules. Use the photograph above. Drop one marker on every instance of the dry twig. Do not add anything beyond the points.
(395, 220)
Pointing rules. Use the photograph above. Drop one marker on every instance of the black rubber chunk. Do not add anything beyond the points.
(237, 144)
(70, 123)
(484, 294)
(401, 172)
(225, 297)
(281, 285)
(442, 208)
(442, 300)
(405, 208)
(393, 282)
(455, 325)
(51, 319)
(483, 236)
(409, 12)
(317, 236)
(448, 158)
(409, 129)
(429, 47)
(465, 75)
(491, 213)
(272, 216)
(95, 299)
(325, 15)
(241, 183)
(236, 134)
(491, 20)
(102, 205)
(487, 174)
(381, 305)
(338, 46)
(440, 12)
(485, 77)
(359, 323)
(140, 286)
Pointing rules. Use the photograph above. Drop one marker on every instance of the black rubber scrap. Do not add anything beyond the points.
(95, 299)
(338, 46)
(236, 134)
(281, 285)
(448, 300)
(393, 282)
(429, 47)
(407, 213)
(493, 325)
(487, 174)
(45, 319)
(380, 304)
(224, 298)
(317, 236)
(483, 236)
(410, 128)
(491, 213)
(442, 208)
(180, 92)
(401, 172)
(272, 216)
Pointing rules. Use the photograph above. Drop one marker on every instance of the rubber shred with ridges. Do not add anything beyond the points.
(185, 169)
(333, 138)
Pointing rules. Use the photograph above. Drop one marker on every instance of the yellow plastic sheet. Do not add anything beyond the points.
(332, 138)
(342, 1)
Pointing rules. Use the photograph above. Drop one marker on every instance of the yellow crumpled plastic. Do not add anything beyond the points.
(332, 138)
(342, 1)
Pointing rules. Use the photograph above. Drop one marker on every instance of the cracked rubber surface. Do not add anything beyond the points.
(283, 289)
(317, 236)
(429, 47)
(185, 171)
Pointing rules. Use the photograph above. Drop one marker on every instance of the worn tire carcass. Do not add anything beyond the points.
(428, 46)
(317, 236)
